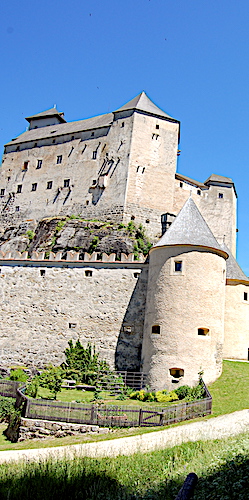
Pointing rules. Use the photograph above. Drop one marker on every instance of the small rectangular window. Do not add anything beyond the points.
(39, 164)
(155, 329)
(66, 183)
(2, 192)
(59, 159)
(220, 195)
(25, 165)
(34, 186)
(72, 325)
(203, 331)
(49, 184)
(157, 126)
(94, 155)
(199, 192)
(88, 273)
(19, 188)
(42, 272)
(17, 209)
(181, 184)
(178, 266)
(245, 296)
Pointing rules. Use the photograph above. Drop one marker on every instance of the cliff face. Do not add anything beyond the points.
(71, 233)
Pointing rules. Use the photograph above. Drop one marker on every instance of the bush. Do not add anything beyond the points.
(84, 361)
(183, 391)
(32, 387)
(164, 397)
(18, 375)
(7, 408)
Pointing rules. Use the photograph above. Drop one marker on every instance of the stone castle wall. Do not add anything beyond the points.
(44, 304)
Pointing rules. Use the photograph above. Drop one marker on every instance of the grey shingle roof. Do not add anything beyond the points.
(64, 128)
(143, 103)
(218, 178)
(189, 228)
(190, 181)
(234, 271)
(48, 112)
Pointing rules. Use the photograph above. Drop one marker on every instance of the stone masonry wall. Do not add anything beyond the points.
(44, 304)
(44, 429)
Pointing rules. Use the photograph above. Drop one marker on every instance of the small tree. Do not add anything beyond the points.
(83, 362)
(51, 378)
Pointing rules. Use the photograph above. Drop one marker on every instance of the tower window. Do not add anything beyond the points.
(245, 296)
(72, 325)
(181, 184)
(66, 183)
(155, 329)
(221, 195)
(34, 186)
(59, 159)
(94, 155)
(157, 126)
(25, 165)
(176, 372)
(199, 192)
(49, 184)
(39, 164)
(178, 266)
(2, 192)
(42, 272)
(122, 124)
(92, 134)
(19, 188)
(203, 331)
(17, 209)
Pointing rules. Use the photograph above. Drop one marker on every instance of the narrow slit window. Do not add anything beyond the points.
(25, 165)
(157, 126)
(49, 184)
(155, 329)
(17, 209)
(181, 184)
(136, 275)
(59, 159)
(66, 183)
(2, 192)
(199, 192)
(42, 272)
(39, 164)
(34, 186)
(94, 155)
(19, 188)
(245, 296)
(221, 195)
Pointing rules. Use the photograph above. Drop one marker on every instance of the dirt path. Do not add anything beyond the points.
(215, 428)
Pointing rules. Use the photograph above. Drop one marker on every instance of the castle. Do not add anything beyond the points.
(181, 310)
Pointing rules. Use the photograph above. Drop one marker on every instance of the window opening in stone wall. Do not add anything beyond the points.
(72, 138)
(157, 126)
(39, 164)
(136, 275)
(72, 325)
(176, 372)
(49, 184)
(35, 145)
(181, 184)
(147, 221)
(245, 296)
(220, 195)
(122, 124)
(25, 165)
(94, 182)
(178, 266)
(42, 272)
(94, 155)
(92, 134)
(17, 148)
(8, 179)
(88, 273)
(203, 331)
(66, 183)
(34, 186)
(2, 192)
(133, 217)
(59, 159)
(199, 192)
(53, 141)
(19, 188)
(17, 209)
(87, 202)
(155, 329)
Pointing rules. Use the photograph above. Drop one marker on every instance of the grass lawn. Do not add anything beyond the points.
(231, 392)
(222, 467)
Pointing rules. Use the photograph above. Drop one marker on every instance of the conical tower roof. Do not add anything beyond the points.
(143, 103)
(189, 228)
(234, 271)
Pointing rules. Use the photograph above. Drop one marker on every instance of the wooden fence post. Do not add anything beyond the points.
(140, 418)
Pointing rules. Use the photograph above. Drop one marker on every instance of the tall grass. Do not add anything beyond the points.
(222, 468)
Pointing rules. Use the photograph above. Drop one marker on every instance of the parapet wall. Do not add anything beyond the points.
(72, 257)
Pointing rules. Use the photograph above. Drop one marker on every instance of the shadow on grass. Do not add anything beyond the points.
(63, 481)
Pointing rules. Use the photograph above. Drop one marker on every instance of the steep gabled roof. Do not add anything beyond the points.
(48, 112)
(189, 228)
(143, 103)
(234, 271)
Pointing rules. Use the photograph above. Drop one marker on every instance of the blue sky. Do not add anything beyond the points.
(90, 57)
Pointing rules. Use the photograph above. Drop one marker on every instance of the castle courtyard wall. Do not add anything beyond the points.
(45, 304)
(236, 339)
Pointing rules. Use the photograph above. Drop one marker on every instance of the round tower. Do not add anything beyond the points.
(236, 340)
(184, 319)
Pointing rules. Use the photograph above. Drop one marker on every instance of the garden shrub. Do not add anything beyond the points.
(18, 375)
(166, 397)
(183, 391)
(7, 407)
